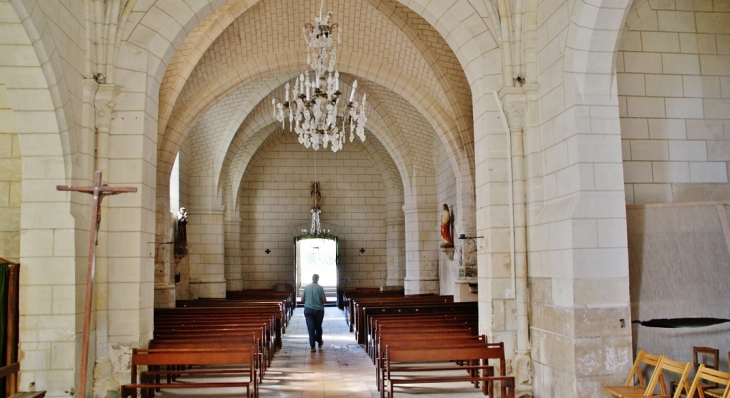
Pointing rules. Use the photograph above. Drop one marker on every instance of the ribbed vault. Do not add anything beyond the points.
(262, 47)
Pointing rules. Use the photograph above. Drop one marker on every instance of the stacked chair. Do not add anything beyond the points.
(706, 383)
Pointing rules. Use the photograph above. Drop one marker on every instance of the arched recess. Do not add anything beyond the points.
(380, 128)
(51, 222)
(359, 213)
(217, 89)
(462, 162)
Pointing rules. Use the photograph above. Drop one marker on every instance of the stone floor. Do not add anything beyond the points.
(341, 369)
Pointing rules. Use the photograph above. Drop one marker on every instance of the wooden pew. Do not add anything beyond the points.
(241, 361)
(237, 335)
(231, 342)
(205, 311)
(416, 324)
(10, 372)
(431, 337)
(360, 323)
(349, 299)
(264, 323)
(344, 295)
(406, 364)
(407, 308)
(216, 302)
(288, 297)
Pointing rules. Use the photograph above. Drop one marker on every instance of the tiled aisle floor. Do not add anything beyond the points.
(341, 369)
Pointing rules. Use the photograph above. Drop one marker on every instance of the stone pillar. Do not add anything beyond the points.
(234, 277)
(515, 101)
(164, 257)
(395, 239)
(205, 251)
(422, 249)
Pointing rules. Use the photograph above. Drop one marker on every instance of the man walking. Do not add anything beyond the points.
(314, 299)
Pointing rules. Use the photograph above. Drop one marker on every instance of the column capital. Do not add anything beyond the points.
(105, 100)
(233, 220)
(413, 209)
(206, 209)
(514, 101)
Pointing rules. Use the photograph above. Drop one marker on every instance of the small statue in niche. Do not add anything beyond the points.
(446, 227)
(181, 233)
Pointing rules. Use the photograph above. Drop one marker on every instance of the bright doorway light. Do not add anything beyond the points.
(317, 256)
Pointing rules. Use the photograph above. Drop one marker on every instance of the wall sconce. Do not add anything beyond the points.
(472, 238)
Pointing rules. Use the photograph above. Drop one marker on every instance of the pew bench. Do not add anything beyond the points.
(430, 340)
(405, 308)
(407, 323)
(227, 342)
(241, 361)
(213, 311)
(414, 364)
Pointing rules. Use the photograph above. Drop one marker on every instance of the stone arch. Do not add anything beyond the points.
(46, 215)
(262, 128)
(460, 163)
(335, 209)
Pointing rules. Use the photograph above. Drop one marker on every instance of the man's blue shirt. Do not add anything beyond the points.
(313, 296)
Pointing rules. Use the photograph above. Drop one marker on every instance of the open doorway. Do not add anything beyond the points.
(317, 255)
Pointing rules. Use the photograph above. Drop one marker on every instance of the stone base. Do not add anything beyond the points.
(421, 286)
(462, 291)
(207, 289)
(164, 295)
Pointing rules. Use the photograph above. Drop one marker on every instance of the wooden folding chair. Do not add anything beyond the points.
(635, 385)
(705, 374)
(707, 355)
(678, 368)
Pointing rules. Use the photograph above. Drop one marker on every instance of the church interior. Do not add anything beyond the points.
(563, 164)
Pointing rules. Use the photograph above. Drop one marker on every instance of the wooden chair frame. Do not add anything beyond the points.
(704, 373)
(697, 352)
(630, 388)
(682, 369)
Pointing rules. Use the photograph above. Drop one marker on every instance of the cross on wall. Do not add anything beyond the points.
(99, 190)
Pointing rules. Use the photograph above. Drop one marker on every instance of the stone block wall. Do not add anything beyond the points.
(10, 181)
(673, 72)
(446, 193)
(275, 206)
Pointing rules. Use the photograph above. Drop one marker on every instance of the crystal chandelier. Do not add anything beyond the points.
(314, 109)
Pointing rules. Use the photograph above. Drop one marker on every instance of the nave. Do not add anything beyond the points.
(340, 369)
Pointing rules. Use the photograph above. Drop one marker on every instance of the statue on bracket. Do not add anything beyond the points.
(181, 233)
(447, 241)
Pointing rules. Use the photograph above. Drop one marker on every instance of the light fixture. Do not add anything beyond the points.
(472, 238)
(313, 105)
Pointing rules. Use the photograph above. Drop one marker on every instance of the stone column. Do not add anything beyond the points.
(234, 277)
(205, 251)
(515, 101)
(164, 257)
(395, 238)
(422, 249)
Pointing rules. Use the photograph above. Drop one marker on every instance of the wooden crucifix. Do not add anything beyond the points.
(98, 191)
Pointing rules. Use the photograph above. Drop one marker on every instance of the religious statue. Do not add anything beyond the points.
(181, 232)
(316, 196)
(446, 227)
